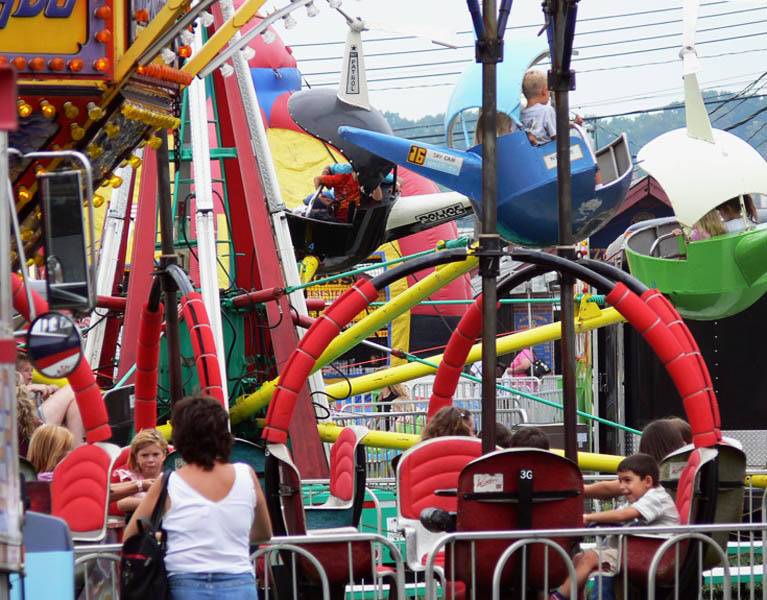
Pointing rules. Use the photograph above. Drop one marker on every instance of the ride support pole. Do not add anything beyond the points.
(168, 257)
(489, 51)
(562, 80)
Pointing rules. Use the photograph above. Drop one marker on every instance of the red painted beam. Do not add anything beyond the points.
(142, 262)
(247, 201)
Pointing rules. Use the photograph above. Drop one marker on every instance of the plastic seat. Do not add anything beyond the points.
(284, 498)
(708, 487)
(347, 483)
(48, 559)
(512, 489)
(80, 490)
(425, 468)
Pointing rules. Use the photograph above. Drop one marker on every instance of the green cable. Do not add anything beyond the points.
(551, 403)
(450, 244)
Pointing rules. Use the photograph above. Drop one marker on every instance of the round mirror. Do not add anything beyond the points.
(54, 345)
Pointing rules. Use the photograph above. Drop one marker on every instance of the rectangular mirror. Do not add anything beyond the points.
(66, 264)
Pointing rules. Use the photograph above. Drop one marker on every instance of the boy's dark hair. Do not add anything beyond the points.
(529, 437)
(502, 436)
(201, 431)
(642, 465)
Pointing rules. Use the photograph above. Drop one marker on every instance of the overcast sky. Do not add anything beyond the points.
(628, 56)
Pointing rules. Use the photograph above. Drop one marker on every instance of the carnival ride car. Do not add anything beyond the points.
(527, 201)
(644, 308)
(700, 168)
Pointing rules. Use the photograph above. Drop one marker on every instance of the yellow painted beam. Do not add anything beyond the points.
(168, 14)
(222, 36)
(308, 268)
(587, 461)
(504, 345)
(248, 405)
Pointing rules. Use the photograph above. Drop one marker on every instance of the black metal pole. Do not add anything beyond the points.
(168, 257)
(562, 84)
(489, 52)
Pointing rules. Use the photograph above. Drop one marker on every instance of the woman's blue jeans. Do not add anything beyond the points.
(213, 586)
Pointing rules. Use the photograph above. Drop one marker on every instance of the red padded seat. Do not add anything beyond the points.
(429, 466)
(80, 491)
(516, 488)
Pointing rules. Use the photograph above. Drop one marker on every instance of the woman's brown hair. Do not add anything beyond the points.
(449, 420)
(201, 431)
(660, 438)
(26, 413)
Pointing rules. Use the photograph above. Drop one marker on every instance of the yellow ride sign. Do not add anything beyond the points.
(43, 26)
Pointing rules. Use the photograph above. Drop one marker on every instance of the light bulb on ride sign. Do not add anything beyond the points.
(268, 36)
(312, 10)
(289, 22)
(334, 3)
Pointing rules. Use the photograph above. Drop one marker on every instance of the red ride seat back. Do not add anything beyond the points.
(427, 467)
(516, 488)
(80, 491)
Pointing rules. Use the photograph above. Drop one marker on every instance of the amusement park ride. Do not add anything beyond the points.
(147, 114)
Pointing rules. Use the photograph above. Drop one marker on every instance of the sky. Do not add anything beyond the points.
(627, 51)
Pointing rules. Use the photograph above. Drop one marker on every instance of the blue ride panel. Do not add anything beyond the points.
(518, 57)
(526, 182)
(48, 558)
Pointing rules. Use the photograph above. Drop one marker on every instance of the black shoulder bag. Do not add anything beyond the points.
(539, 367)
(142, 566)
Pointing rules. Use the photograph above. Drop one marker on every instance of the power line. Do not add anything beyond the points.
(585, 47)
(613, 116)
(579, 59)
(746, 120)
(538, 25)
(597, 69)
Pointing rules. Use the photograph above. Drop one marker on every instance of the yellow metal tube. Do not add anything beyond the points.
(222, 36)
(170, 11)
(308, 268)
(402, 303)
(247, 405)
(38, 377)
(505, 344)
(587, 461)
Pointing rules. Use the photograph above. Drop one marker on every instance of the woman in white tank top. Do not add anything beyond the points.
(214, 509)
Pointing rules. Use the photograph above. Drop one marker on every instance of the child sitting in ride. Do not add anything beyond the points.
(539, 118)
(648, 503)
(732, 216)
(503, 124)
(342, 179)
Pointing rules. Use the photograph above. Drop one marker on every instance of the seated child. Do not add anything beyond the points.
(733, 218)
(526, 436)
(503, 124)
(647, 502)
(343, 181)
(539, 118)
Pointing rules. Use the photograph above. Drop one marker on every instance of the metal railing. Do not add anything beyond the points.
(275, 555)
(707, 577)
